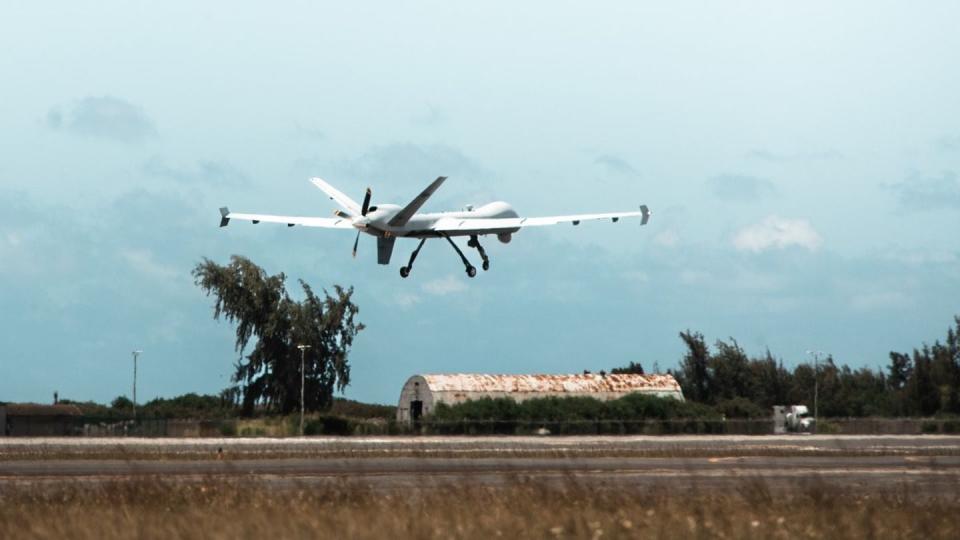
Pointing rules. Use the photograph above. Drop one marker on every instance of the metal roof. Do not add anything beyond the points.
(580, 383)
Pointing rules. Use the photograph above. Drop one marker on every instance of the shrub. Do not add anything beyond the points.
(739, 407)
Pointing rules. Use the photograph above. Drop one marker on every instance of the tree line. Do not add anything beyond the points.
(925, 382)
(722, 378)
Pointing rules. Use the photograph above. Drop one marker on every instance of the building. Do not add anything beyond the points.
(422, 392)
(31, 419)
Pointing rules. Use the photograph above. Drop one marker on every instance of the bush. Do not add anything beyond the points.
(356, 409)
(328, 425)
(739, 407)
(633, 413)
(228, 428)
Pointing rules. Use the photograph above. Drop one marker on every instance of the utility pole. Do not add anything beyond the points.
(303, 350)
(136, 353)
(816, 384)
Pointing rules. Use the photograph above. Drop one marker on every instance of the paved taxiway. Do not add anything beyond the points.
(649, 446)
(928, 464)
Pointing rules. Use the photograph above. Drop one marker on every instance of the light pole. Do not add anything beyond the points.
(816, 386)
(136, 353)
(303, 350)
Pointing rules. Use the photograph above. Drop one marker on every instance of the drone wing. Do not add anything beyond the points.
(404, 215)
(488, 225)
(330, 223)
(347, 203)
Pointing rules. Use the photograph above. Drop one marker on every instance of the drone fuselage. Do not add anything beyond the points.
(377, 222)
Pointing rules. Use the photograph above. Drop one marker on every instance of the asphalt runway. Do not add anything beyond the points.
(487, 446)
(928, 465)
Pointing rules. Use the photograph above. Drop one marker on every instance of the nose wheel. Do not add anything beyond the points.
(405, 270)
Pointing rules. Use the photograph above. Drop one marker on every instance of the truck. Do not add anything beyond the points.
(793, 418)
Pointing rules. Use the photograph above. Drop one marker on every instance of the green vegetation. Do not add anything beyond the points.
(186, 406)
(925, 383)
(635, 413)
(269, 377)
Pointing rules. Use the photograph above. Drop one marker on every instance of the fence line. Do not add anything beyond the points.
(331, 425)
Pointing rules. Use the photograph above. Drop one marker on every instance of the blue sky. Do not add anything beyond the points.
(801, 162)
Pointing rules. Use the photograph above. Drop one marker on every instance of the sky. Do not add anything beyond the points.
(801, 161)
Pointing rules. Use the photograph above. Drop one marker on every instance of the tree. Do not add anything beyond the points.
(261, 308)
(634, 368)
(694, 376)
(922, 392)
(730, 372)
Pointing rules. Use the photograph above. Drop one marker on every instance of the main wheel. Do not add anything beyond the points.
(486, 265)
(404, 271)
(471, 271)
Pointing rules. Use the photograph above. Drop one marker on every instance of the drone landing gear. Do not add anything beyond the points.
(474, 242)
(405, 270)
(471, 270)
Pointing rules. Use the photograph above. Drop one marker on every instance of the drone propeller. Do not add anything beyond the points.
(364, 209)
(366, 203)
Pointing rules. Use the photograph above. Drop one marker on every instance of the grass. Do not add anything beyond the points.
(216, 508)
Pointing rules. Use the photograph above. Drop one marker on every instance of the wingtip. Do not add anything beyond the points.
(645, 213)
(224, 212)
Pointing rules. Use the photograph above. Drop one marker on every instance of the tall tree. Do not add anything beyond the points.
(694, 375)
(261, 308)
(730, 372)
(922, 392)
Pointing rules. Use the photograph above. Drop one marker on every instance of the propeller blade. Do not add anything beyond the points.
(366, 203)
(355, 242)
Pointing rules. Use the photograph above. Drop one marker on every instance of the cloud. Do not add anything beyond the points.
(929, 192)
(406, 300)
(202, 172)
(667, 238)
(615, 165)
(739, 187)
(104, 117)
(412, 163)
(880, 300)
(430, 116)
(778, 157)
(309, 133)
(444, 286)
(144, 262)
(949, 143)
(777, 232)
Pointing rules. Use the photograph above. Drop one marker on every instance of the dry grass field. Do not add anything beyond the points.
(220, 508)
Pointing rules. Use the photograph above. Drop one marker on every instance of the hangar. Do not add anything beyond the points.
(31, 419)
(422, 392)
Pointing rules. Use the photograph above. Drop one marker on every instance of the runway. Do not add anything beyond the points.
(488, 446)
(929, 465)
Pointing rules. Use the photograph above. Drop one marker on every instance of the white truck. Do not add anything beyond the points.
(793, 418)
